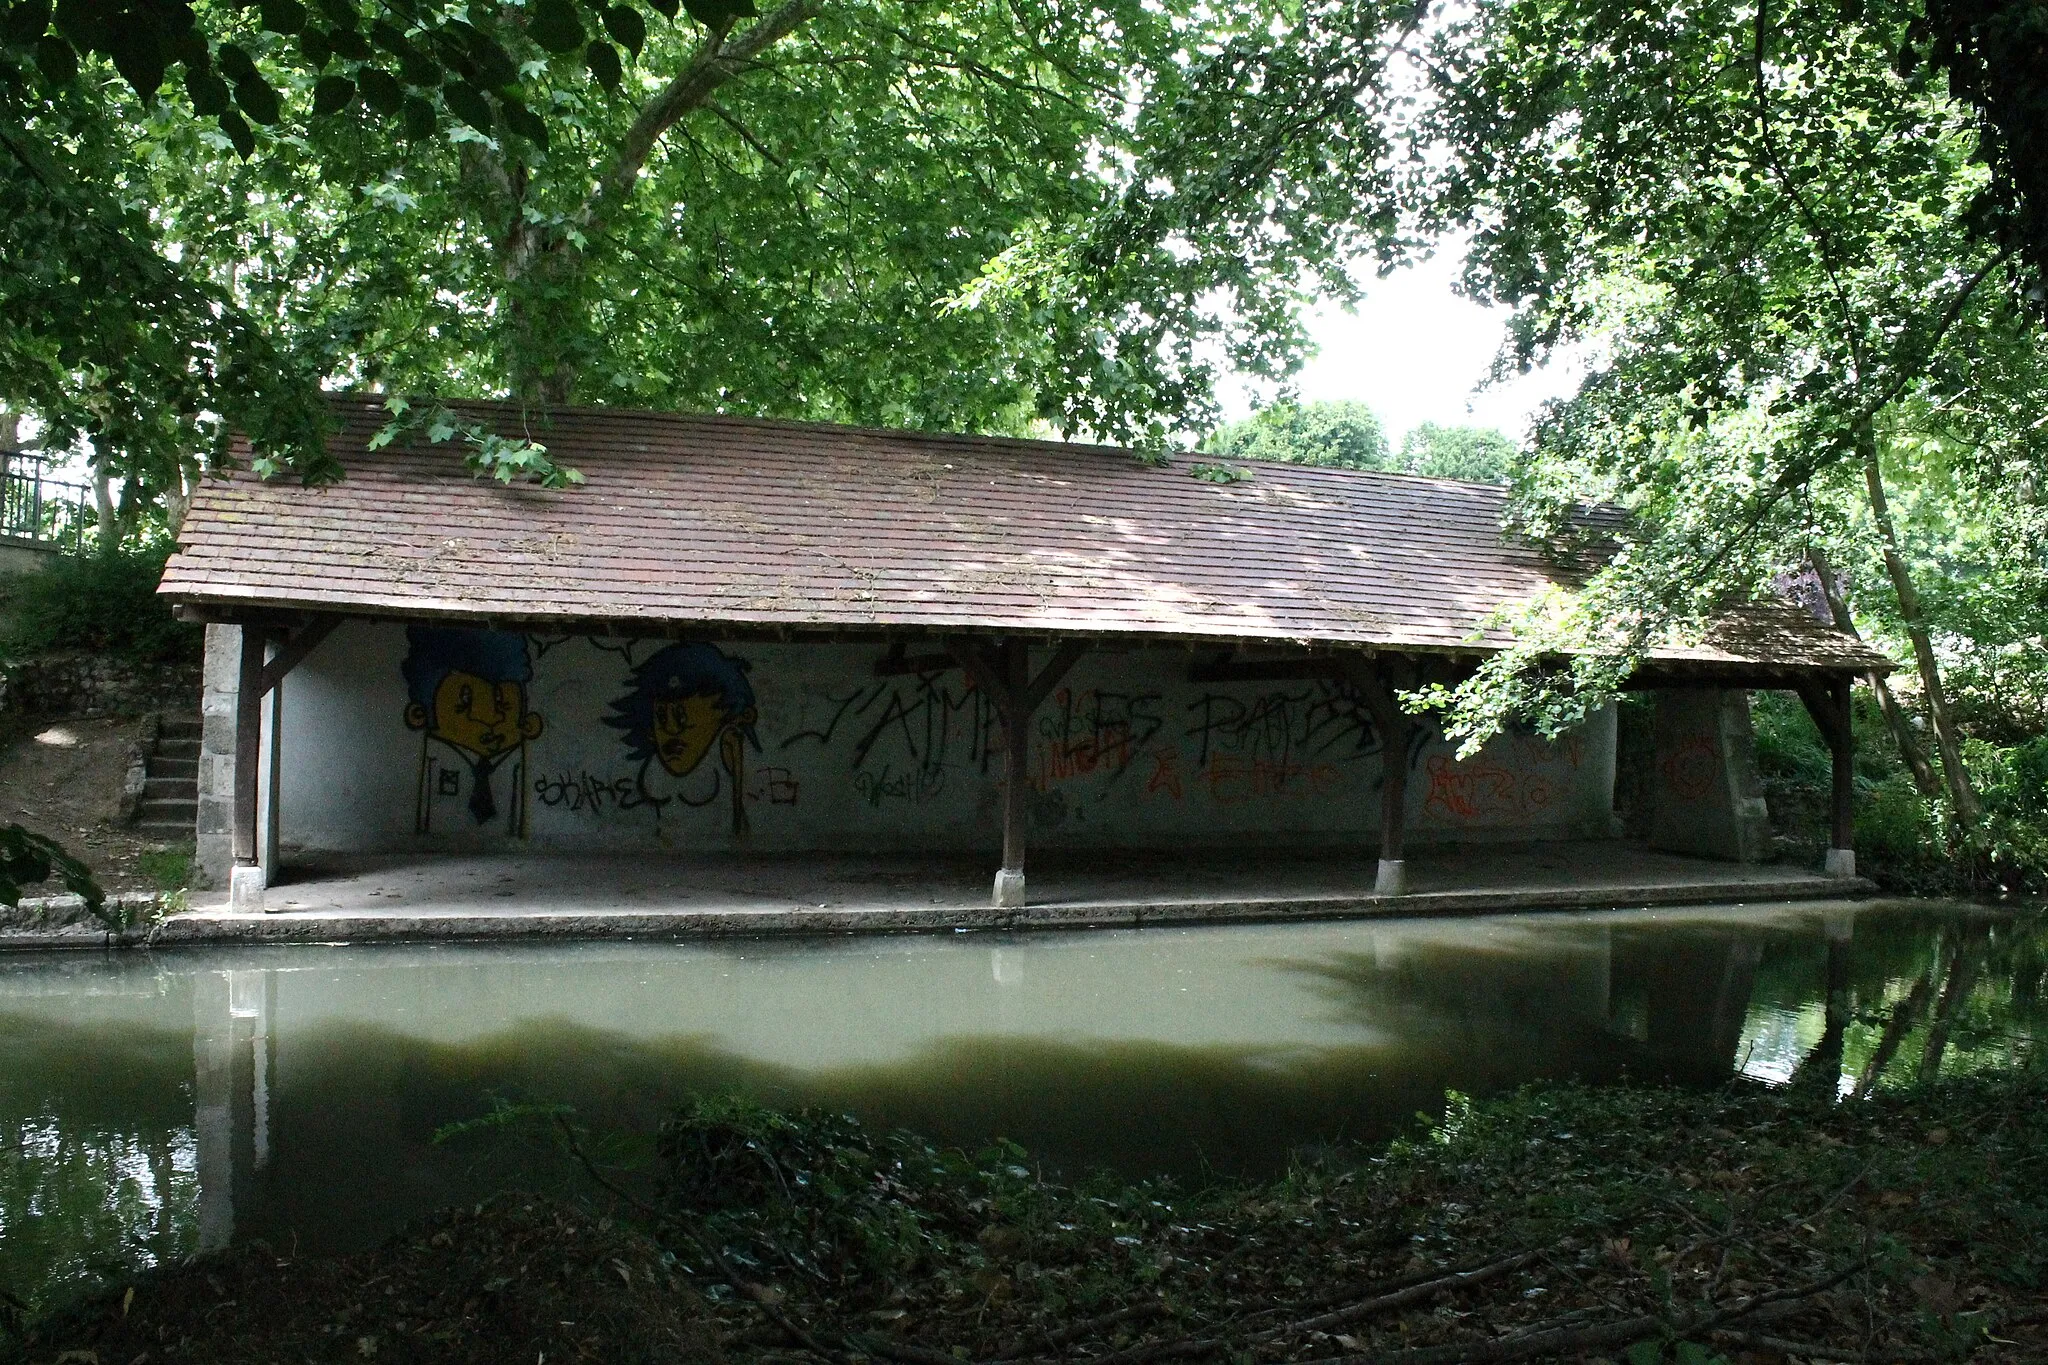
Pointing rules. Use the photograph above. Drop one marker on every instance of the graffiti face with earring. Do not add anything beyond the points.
(681, 702)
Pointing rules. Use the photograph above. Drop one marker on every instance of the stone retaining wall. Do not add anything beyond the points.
(85, 684)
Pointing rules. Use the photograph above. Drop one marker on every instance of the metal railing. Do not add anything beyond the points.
(37, 507)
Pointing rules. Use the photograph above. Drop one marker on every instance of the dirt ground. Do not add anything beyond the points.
(63, 779)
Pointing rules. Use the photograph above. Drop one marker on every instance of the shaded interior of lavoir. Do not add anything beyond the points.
(156, 1104)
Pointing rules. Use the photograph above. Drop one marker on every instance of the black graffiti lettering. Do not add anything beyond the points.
(1096, 731)
(589, 792)
(914, 787)
(1328, 719)
(921, 722)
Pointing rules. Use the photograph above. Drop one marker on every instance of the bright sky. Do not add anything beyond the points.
(1414, 351)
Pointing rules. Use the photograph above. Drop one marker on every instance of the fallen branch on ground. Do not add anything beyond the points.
(1555, 1339)
(1081, 1331)
(1185, 1347)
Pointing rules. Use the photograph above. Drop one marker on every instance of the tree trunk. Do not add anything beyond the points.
(1962, 797)
(103, 506)
(1895, 717)
(546, 311)
(177, 500)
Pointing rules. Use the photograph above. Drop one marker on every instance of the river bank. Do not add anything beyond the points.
(1561, 1222)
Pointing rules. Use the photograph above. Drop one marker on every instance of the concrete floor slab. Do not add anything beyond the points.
(411, 897)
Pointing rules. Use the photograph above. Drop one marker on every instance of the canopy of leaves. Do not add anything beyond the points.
(1482, 454)
(968, 216)
(1338, 435)
(1996, 56)
(1767, 233)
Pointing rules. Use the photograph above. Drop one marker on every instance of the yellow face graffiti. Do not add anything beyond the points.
(686, 727)
(482, 718)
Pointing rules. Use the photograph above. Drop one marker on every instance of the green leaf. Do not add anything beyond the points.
(719, 13)
(524, 121)
(56, 60)
(317, 50)
(469, 105)
(554, 26)
(350, 44)
(282, 16)
(625, 24)
(667, 9)
(207, 91)
(26, 21)
(341, 13)
(234, 63)
(419, 119)
(27, 857)
(495, 67)
(380, 90)
(603, 60)
(332, 94)
(258, 100)
(139, 56)
(238, 133)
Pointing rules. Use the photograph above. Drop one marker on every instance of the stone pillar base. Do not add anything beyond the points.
(1010, 889)
(245, 889)
(1841, 862)
(1392, 878)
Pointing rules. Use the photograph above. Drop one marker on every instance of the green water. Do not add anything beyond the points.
(156, 1104)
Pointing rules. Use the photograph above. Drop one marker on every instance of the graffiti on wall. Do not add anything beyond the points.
(466, 695)
(1692, 769)
(901, 736)
(682, 703)
(1081, 734)
(1518, 777)
(1284, 741)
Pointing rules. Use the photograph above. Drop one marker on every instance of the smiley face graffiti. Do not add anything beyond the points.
(682, 702)
(467, 692)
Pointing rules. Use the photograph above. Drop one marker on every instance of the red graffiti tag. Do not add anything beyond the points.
(1691, 768)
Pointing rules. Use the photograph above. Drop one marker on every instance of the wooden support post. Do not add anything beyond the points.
(1009, 889)
(1395, 729)
(245, 882)
(1828, 702)
(1003, 671)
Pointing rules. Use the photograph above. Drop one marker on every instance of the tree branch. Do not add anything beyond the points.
(715, 63)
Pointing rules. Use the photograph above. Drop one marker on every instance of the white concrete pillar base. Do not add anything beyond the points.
(1392, 878)
(1841, 862)
(1010, 889)
(245, 889)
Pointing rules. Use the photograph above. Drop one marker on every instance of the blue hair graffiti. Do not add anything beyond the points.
(433, 652)
(683, 670)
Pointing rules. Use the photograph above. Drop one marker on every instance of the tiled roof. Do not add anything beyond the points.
(710, 522)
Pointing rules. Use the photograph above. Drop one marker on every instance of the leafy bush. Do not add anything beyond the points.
(2014, 786)
(105, 601)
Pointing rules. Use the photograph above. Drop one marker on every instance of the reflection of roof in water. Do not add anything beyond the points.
(698, 522)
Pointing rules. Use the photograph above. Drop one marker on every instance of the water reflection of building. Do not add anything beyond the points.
(234, 1057)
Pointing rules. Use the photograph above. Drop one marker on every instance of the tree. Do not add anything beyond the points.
(1771, 234)
(1337, 435)
(1483, 454)
(1348, 435)
(889, 213)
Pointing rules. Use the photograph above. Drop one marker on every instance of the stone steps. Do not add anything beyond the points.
(170, 787)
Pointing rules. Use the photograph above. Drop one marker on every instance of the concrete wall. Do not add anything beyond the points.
(1706, 793)
(219, 682)
(21, 555)
(395, 739)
